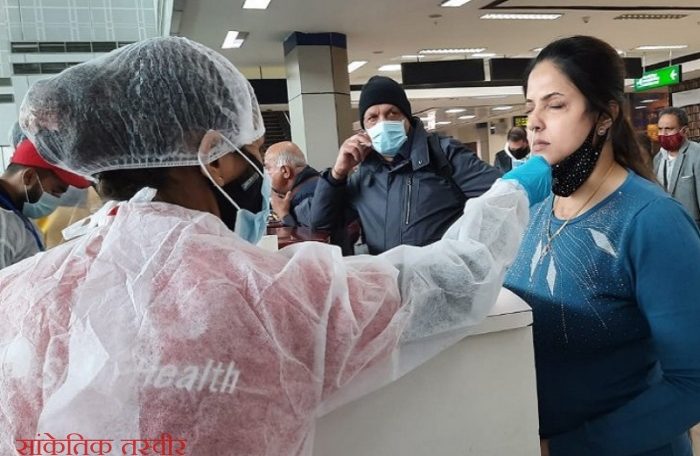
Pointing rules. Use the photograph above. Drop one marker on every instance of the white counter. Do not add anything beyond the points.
(475, 398)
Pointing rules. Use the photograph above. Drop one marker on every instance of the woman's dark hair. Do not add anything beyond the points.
(598, 72)
(646, 148)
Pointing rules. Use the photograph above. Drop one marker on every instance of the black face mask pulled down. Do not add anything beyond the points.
(569, 174)
(246, 191)
(521, 153)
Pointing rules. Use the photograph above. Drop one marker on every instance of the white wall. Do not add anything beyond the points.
(496, 143)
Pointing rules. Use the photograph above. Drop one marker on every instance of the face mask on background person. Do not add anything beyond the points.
(672, 142)
(521, 153)
(388, 136)
(45, 206)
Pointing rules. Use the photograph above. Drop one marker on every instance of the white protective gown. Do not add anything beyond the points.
(161, 320)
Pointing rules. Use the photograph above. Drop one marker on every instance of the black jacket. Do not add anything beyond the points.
(303, 191)
(407, 201)
(503, 162)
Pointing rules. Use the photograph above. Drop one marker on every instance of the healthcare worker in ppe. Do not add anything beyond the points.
(162, 316)
(30, 188)
(64, 200)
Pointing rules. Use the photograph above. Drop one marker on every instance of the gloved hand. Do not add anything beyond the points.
(535, 175)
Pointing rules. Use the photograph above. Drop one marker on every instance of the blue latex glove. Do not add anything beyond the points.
(535, 175)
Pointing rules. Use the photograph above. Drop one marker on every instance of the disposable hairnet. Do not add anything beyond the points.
(145, 105)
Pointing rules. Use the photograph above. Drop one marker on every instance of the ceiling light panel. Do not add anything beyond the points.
(661, 47)
(522, 17)
(452, 51)
(454, 3)
(256, 4)
(352, 66)
(234, 39)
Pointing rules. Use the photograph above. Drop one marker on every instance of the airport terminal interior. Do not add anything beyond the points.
(350, 227)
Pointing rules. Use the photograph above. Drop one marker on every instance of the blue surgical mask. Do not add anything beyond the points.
(249, 226)
(46, 205)
(252, 226)
(388, 137)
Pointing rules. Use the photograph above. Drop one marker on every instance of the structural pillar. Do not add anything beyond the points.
(318, 88)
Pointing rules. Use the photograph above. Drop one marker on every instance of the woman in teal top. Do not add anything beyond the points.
(611, 267)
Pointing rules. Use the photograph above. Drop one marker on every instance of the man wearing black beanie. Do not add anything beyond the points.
(409, 186)
(382, 90)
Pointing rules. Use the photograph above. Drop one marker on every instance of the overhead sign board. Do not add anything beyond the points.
(520, 121)
(658, 78)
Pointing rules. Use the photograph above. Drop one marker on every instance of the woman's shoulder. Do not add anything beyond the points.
(643, 188)
(655, 213)
(640, 197)
(648, 196)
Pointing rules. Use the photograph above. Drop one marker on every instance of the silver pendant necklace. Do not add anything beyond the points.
(550, 237)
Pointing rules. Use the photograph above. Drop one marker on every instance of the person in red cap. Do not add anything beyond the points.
(29, 188)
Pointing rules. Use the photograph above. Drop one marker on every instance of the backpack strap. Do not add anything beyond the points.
(442, 165)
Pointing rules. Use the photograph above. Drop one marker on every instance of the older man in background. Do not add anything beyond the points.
(293, 183)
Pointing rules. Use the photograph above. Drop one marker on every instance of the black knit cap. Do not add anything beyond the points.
(383, 90)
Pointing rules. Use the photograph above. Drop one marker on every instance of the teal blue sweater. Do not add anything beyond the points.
(616, 307)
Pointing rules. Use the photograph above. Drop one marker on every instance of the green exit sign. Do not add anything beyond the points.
(658, 78)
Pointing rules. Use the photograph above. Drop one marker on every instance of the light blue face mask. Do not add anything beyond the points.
(388, 137)
(252, 227)
(46, 204)
(249, 226)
